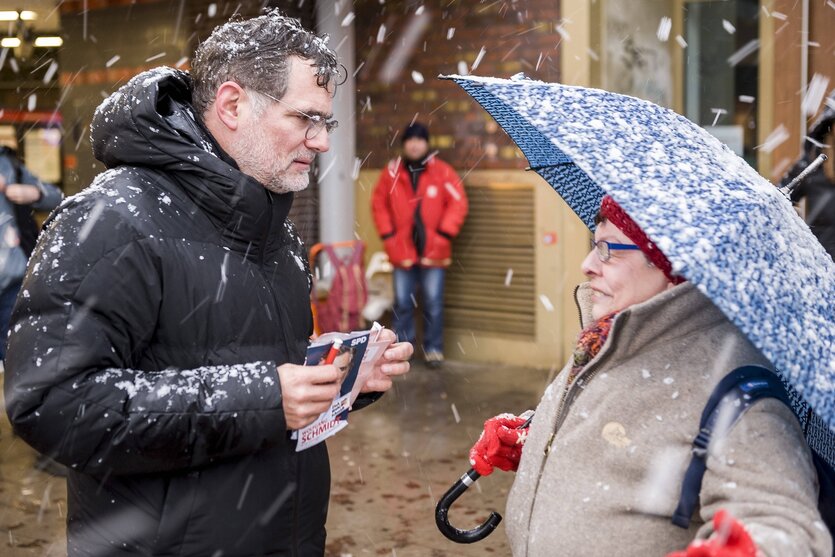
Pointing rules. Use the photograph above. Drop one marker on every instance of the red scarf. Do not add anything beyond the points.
(589, 343)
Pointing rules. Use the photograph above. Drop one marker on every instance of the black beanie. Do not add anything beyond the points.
(415, 130)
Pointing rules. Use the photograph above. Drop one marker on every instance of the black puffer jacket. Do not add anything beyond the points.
(156, 307)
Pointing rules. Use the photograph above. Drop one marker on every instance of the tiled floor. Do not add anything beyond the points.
(390, 465)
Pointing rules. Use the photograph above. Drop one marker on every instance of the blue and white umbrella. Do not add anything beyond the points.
(722, 225)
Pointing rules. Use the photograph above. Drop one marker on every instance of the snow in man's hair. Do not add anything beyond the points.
(254, 53)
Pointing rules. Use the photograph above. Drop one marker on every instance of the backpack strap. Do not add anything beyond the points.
(735, 393)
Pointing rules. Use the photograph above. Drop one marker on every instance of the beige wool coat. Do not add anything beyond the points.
(601, 470)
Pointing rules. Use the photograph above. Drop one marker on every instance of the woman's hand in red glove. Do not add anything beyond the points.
(730, 539)
(500, 444)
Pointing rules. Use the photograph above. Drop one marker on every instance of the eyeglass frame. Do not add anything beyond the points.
(609, 247)
(314, 121)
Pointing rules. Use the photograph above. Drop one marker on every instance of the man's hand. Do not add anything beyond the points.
(306, 392)
(500, 445)
(730, 539)
(22, 194)
(394, 361)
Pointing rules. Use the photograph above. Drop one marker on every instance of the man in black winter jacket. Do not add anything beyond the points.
(158, 338)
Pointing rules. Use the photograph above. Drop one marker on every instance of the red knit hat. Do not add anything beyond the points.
(613, 212)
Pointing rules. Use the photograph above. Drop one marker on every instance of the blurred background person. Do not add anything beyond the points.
(419, 206)
(23, 193)
(817, 188)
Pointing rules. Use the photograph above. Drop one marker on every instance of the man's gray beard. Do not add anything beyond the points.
(281, 184)
(251, 155)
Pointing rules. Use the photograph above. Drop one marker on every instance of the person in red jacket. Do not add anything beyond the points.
(419, 206)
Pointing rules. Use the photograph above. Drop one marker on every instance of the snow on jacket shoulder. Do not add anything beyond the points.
(158, 304)
(443, 206)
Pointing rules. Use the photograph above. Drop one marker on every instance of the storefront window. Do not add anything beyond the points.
(721, 66)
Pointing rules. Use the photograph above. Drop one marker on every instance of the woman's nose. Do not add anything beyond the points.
(591, 264)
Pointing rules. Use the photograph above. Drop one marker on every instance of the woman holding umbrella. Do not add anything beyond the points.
(603, 460)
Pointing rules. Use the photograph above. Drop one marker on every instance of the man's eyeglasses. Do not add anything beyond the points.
(604, 249)
(315, 122)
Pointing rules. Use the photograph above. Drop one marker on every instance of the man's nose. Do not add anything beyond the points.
(320, 143)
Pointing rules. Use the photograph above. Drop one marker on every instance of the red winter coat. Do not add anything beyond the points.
(443, 208)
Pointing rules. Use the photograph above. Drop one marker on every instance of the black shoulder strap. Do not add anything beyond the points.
(734, 394)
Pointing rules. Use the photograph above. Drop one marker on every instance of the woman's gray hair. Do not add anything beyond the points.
(254, 53)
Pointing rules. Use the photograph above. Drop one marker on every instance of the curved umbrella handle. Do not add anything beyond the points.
(442, 511)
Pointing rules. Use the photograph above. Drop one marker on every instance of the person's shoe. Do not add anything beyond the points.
(434, 359)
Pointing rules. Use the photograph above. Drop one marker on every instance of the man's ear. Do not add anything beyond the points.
(230, 103)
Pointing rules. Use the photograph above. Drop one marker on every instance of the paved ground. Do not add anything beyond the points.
(32, 503)
(390, 465)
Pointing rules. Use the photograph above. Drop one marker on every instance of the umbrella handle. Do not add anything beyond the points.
(442, 513)
(464, 482)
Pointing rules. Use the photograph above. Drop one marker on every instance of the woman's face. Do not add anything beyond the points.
(627, 278)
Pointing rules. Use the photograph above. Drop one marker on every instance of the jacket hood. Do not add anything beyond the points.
(150, 122)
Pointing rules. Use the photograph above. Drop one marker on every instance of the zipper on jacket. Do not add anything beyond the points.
(577, 305)
(287, 327)
(568, 387)
(266, 236)
(571, 391)
(279, 307)
(569, 394)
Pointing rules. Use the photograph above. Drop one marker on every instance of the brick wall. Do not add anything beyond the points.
(397, 77)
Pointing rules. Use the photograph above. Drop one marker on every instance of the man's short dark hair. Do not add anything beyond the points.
(254, 53)
(415, 129)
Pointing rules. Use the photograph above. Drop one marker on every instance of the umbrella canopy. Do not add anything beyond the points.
(722, 225)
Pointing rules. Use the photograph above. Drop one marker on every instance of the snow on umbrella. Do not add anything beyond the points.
(722, 225)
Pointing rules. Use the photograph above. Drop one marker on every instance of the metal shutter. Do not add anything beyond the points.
(497, 238)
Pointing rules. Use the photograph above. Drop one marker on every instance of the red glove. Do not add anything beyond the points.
(500, 445)
(730, 539)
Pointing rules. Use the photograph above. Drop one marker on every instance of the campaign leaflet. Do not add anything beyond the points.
(355, 359)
